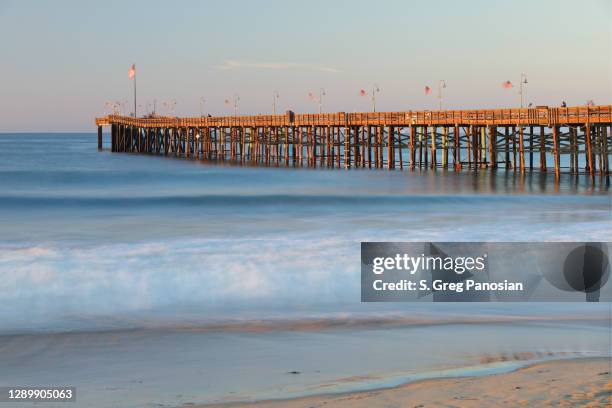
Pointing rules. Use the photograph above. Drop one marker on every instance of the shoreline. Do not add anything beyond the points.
(561, 382)
(331, 321)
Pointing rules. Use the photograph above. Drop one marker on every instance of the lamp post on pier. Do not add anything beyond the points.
(375, 89)
(275, 97)
(202, 103)
(321, 94)
(441, 85)
(236, 100)
(523, 81)
(169, 106)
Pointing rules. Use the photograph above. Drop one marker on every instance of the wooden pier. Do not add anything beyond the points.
(512, 139)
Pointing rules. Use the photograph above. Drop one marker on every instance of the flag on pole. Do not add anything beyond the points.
(427, 90)
(227, 101)
(132, 71)
(362, 92)
(507, 85)
(311, 96)
(132, 75)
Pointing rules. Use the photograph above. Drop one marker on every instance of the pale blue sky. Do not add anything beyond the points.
(62, 60)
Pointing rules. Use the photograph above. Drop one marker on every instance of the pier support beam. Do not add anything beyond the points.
(508, 165)
(530, 148)
(521, 150)
(555, 133)
(113, 137)
(390, 150)
(492, 149)
(457, 151)
(434, 148)
(542, 149)
(588, 151)
(606, 159)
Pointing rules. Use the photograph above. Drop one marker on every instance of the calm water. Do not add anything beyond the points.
(98, 241)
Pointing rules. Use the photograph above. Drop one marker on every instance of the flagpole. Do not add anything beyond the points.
(373, 99)
(134, 91)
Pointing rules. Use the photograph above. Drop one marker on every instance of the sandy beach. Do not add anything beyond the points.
(565, 383)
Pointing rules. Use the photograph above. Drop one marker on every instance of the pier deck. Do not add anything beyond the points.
(512, 139)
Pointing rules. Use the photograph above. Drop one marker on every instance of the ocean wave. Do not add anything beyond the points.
(262, 200)
(188, 281)
(51, 283)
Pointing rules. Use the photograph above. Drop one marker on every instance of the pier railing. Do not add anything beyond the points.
(538, 116)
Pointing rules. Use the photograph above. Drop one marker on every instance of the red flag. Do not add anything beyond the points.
(427, 90)
(132, 71)
(507, 85)
(227, 101)
(362, 92)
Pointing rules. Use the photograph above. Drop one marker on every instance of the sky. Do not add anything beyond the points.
(63, 62)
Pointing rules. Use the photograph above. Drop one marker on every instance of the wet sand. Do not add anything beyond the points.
(584, 382)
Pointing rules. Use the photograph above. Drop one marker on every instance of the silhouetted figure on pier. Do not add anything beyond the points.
(563, 104)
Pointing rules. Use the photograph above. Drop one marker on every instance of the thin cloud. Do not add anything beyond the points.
(328, 69)
(229, 65)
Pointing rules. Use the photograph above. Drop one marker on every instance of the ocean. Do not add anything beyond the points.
(154, 280)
